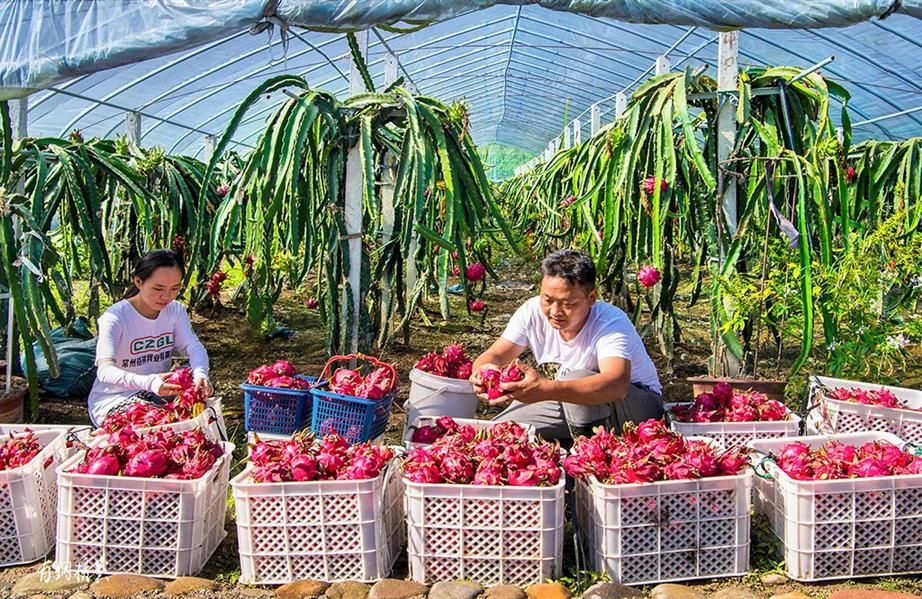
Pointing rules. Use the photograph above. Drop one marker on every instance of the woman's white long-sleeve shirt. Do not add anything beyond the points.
(140, 348)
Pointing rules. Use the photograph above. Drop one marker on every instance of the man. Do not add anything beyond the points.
(605, 377)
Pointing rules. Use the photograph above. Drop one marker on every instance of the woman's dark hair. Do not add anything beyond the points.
(573, 265)
(150, 262)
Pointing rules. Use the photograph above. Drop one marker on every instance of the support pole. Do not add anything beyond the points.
(351, 300)
(210, 143)
(620, 104)
(595, 118)
(727, 82)
(133, 127)
(577, 132)
(19, 117)
(391, 66)
(566, 137)
(662, 65)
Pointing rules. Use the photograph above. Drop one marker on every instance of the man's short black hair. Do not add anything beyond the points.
(573, 265)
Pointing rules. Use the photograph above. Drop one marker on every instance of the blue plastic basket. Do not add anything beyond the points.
(277, 411)
(356, 419)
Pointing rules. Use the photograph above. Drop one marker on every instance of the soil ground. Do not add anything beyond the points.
(235, 348)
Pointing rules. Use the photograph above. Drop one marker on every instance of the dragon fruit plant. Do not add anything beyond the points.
(649, 452)
(281, 374)
(144, 415)
(19, 449)
(868, 397)
(166, 453)
(835, 460)
(492, 378)
(303, 459)
(452, 362)
(498, 456)
(725, 404)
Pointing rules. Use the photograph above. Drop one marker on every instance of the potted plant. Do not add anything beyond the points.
(12, 396)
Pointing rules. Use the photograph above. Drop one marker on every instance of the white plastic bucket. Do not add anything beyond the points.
(432, 395)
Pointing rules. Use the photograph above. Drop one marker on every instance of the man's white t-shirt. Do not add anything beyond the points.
(607, 333)
(142, 348)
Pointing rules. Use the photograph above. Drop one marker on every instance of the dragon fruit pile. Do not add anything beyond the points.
(144, 415)
(647, 453)
(445, 425)
(868, 397)
(164, 453)
(724, 404)
(452, 363)
(491, 378)
(280, 375)
(500, 455)
(376, 385)
(18, 450)
(302, 459)
(835, 461)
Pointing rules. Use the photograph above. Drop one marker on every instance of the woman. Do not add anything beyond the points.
(137, 336)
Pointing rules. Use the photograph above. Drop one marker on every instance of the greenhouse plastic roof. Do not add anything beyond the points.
(525, 70)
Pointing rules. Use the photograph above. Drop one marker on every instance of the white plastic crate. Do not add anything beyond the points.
(149, 526)
(732, 434)
(668, 530)
(488, 534)
(28, 499)
(828, 415)
(476, 423)
(325, 530)
(841, 528)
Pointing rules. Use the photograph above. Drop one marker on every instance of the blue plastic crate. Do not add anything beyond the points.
(275, 410)
(356, 419)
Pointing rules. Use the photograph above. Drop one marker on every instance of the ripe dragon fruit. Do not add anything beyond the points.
(649, 452)
(376, 385)
(835, 460)
(476, 306)
(345, 381)
(288, 382)
(475, 272)
(456, 271)
(284, 368)
(452, 362)
(261, 375)
(498, 455)
(300, 459)
(648, 276)
(870, 397)
(649, 185)
(725, 404)
(490, 378)
(18, 450)
(162, 453)
(311, 303)
(222, 190)
(850, 174)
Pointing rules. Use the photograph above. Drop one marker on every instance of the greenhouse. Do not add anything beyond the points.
(518, 299)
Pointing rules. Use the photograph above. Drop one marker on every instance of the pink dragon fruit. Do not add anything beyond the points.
(511, 373)
(345, 381)
(476, 306)
(454, 353)
(526, 477)
(311, 303)
(222, 190)
(649, 185)
(475, 272)
(377, 384)
(456, 271)
(850, 174)
(181, 378)
(284, 368)
(490, 378)
(105, 464)
(489, 472)
(150, 463)
(261, 375)
(427, 434)
(648, 276)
